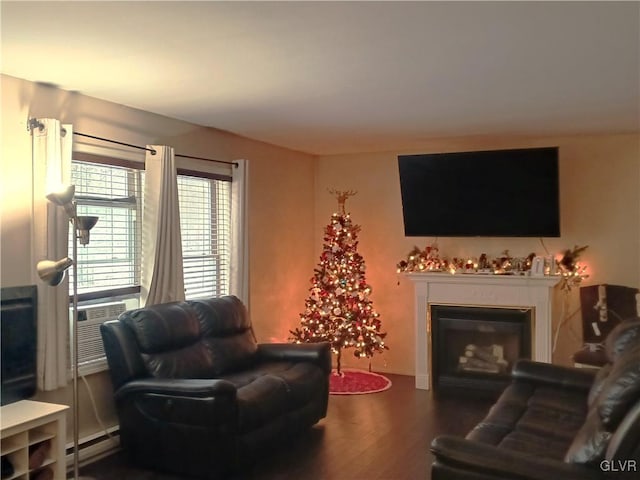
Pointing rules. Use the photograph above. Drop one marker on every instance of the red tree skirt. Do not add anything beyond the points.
(357, 382)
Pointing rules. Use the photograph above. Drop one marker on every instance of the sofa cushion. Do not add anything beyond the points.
(621, 389)
(598, 383)
(168, 337)
(227, 333)
(532, 444)
(517, 392)
(159, 328)
(260, 402)
(590, 443)
(230, 354)
(570, 401)
(489, 433)
(194, 339)
(190, 362)
(303, 380)
(551, 423)
(221, 316)
(625, 335)
(505, 413)
(530, 419)
(502, 417)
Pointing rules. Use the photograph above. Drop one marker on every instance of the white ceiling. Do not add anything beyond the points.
(337, 77)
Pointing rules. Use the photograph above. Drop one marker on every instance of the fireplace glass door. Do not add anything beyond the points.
(475, 347)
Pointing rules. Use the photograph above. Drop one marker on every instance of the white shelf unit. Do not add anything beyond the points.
(25, 425)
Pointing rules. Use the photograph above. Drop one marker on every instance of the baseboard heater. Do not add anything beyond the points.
(96, 446)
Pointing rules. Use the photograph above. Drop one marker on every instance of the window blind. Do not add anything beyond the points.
(112, 258)
(205, 224)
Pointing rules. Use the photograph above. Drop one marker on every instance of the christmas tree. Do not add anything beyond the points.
(338, 309)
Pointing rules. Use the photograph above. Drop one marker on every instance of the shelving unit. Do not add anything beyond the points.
(25, 428)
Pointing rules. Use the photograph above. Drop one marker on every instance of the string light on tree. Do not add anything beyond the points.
(338, 309)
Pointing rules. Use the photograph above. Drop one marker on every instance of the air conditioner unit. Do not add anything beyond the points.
(90, 317)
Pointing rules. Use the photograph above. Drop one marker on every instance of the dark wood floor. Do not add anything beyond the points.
(374, 437)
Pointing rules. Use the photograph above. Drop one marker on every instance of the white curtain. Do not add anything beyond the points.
(240, 231)
(162, 277)
(51, 152)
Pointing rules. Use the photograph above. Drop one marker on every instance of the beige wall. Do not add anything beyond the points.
(600, 207)
(280, 204)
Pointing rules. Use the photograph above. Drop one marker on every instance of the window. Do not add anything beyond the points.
(205, 226)
(109, 266)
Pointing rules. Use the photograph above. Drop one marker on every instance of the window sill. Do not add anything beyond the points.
(95, 366)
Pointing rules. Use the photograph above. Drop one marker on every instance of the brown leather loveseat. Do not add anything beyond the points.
(196, 394)
(556, 423)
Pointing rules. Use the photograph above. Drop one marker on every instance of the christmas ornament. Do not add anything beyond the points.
(429, 260)
(572, 272)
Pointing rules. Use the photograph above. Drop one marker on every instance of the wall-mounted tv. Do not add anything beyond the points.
(498, 193)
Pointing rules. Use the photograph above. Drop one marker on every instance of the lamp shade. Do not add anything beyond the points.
(85, 223)
(52, 273)
(64, 198)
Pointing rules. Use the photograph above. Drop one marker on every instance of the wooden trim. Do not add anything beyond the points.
(116, 292)
(112, 161)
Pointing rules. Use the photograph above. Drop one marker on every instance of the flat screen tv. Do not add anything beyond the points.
(18, 331)
(498, 193)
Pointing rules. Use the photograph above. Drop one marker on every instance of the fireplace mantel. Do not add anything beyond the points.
(481, 290)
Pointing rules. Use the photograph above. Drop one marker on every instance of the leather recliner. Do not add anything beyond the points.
(196, 394)
(556, 423)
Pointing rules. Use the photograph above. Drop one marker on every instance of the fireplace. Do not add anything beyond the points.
(512, 292)
(475, 347)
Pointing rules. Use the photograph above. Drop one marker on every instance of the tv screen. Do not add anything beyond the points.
(18, 331)
(499, 193)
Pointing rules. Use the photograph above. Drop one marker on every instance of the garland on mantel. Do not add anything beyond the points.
(429, 260)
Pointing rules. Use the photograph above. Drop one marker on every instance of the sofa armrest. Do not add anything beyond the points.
(317, 353)
(192, 387)
(480, 459)
(546, 373)
(196, 402)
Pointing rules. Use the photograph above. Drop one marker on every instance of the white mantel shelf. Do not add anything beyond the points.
(507, 291)
(485, 279)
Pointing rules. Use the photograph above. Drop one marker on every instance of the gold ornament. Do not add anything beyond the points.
(342, 196)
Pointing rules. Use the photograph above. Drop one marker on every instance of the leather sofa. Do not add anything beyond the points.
(196, 395)
(556, 423)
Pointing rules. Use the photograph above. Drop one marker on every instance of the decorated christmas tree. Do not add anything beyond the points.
(338, 309)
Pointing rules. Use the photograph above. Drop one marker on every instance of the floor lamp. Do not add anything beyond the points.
(52, 273)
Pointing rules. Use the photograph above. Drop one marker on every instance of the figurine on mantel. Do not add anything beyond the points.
(572, 272)
(429, 260)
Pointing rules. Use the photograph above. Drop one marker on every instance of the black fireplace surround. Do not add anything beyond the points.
(475, 347)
